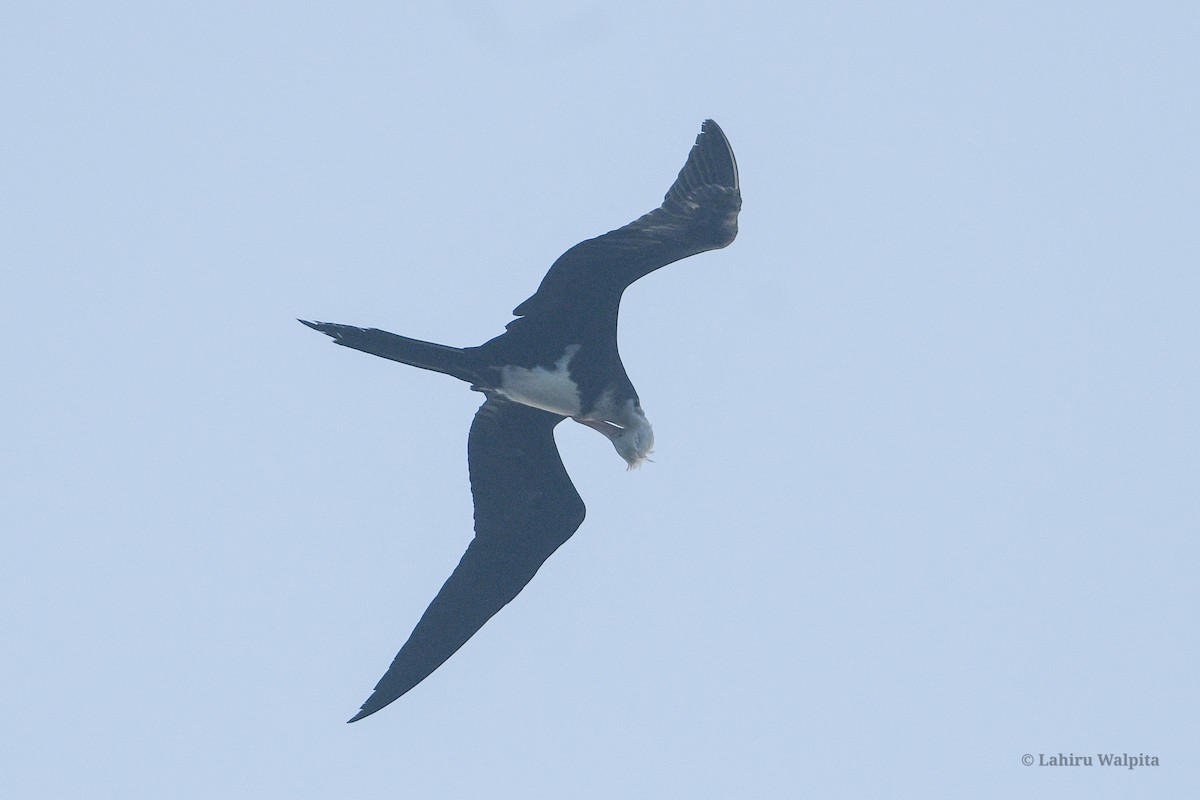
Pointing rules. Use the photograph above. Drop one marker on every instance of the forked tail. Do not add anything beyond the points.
(426, 355)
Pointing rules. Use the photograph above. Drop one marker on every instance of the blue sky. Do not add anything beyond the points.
(925, 491)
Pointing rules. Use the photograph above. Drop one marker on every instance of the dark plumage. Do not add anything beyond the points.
(558, 359)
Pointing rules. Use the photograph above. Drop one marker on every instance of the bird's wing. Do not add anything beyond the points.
(699, 213)
(525, 507)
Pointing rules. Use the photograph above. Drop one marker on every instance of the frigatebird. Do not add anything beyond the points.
(557, 359)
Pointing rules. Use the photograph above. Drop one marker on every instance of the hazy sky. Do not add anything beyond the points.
(925, 496)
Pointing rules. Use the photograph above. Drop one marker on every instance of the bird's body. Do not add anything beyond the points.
(557, 359)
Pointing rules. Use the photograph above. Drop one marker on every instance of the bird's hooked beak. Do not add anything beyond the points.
(634, 444)
(607, 428)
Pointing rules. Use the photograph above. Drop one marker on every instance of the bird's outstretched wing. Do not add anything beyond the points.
(699, 213)
(525, 507)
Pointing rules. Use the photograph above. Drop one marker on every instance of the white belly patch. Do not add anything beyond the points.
(548, 389)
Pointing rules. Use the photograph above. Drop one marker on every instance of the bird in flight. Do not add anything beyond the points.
(558, 359)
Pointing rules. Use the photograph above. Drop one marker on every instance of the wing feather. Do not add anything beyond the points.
(698, 213)
(525, 508)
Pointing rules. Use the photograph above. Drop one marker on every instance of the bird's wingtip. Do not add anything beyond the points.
(367, 709)
(373, 703)
(710, 126)
(330, 329)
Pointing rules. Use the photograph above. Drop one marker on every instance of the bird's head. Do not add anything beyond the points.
(631, 435)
